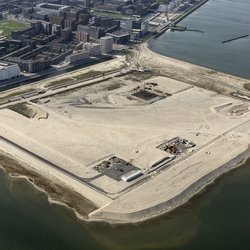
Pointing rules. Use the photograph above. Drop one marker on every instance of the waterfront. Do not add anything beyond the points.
(214, 22)
(216, 219)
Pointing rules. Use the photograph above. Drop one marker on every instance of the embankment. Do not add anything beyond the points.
(57, 193)
(175, 202)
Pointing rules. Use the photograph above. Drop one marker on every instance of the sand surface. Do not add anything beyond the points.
(77, 136)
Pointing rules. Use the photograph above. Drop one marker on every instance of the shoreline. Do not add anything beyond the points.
(160, 194)
(51, 201)
(148, 45)
(180, 18)
(195, 189)
(193, 74)
(56, 193)
(178, 201)
(157, 207)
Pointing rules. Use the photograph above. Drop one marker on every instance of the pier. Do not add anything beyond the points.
(236, 38)
(174, 23)
(178, 28)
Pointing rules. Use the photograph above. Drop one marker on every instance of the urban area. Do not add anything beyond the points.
(39, 37)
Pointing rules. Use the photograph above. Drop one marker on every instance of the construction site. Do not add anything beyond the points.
(134, 143)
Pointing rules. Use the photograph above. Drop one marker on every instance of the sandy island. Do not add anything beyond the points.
(66, 139)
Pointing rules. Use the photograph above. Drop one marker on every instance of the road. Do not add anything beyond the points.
(30, 96)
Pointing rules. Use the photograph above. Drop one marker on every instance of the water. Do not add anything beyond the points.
(218, 219)
(219, 20)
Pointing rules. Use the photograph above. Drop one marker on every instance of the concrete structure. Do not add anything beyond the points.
(106, 44)
(8, 70)
(131, 175)
(66, 34)
(93, 48)
(82, 36)
(94, 32)
(120, 37)
(78, 56)
(50, 8)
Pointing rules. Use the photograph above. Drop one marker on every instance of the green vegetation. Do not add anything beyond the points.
(137, 76)
(109, 14)
(91, 73)
(10, 25)
(129, 54)
(15, 94)
(61, 81)
(115, 85)
(211, 72)
(247, 86)
(23, 109)
(163, 1)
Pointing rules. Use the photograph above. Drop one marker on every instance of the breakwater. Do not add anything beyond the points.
(167, 27)
(189, 12)
(180, 199)
(235, 38)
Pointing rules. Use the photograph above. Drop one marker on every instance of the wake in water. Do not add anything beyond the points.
(194, 30)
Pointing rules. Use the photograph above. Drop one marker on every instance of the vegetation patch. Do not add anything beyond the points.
(15, 94)
(114, 86)
(163, 1)
(61, 81)
(247, 86)
(23, 109)
(91, 73)
(141, 76)
(55, 190)
(7, 26)
(109, 14)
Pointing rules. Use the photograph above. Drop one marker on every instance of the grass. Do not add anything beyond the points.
(162, 1)
(61, 81)
(140, 76)
(129, 54)
(247, 86)
(84, 76)
(89, 74)
(15, 94)
(109, 14)
(22, 109)
(7, 26)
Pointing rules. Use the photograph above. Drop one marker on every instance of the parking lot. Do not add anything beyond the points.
(115, 168)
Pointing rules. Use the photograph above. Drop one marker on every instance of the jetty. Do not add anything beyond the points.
(235, 38)
(177, 28)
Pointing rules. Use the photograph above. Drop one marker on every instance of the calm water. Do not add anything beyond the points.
(218, 219)
(218, 20)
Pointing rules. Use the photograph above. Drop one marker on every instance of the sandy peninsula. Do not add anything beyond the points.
(87, 138)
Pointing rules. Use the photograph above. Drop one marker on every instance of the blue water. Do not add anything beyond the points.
(219, 20)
